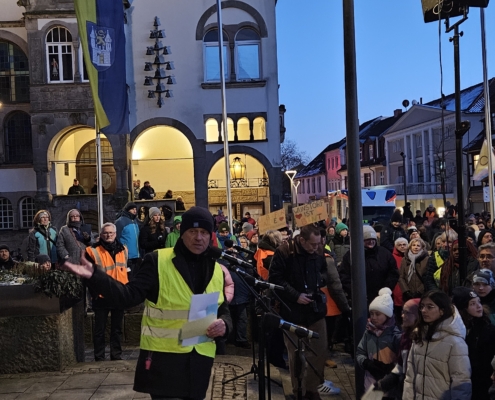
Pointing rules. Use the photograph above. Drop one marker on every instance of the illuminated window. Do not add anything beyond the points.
(212, 130)
(259, 128)
(60, 63)
(243, 132)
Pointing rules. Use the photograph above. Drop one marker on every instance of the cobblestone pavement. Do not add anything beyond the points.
(114, 379)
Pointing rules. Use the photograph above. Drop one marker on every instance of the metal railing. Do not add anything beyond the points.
(420, 188)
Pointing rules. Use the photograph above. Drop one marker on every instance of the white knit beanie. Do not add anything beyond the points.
(383, 303)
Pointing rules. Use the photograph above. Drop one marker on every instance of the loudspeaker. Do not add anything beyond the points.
(449, 8)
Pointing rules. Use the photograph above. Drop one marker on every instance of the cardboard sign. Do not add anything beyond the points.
(310, 213)
(274, 220)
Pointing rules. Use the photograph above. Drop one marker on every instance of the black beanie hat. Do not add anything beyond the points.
(461, 296)
(42, 258)
(396, 217)
(129, 206)
(4, 247)
(196, 217)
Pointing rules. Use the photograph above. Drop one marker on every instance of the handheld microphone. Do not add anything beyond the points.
(230, 243)
(272, 322)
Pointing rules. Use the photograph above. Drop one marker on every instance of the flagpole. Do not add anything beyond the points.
(99, 194)
(488, 117)
(224, 114)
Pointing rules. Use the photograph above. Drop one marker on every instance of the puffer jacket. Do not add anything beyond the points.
(440, 368)
(341, 245)
(413, 288)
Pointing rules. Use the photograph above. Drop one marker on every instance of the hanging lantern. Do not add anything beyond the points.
(237, 169)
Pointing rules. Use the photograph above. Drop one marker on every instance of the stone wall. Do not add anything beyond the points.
(41, 343)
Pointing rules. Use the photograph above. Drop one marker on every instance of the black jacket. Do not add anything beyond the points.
(481, 346)
(146, 193)
(381, 271)
(389, 235)
(298, 272)
(151, 241)
(170, 375)
(9, 264)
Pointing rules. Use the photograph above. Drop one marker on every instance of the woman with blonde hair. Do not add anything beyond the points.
(153, 234)
(42, 238)
(412, 270)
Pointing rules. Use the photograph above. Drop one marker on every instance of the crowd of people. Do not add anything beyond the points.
(430, 332)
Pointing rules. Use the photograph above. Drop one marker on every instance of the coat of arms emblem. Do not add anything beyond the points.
(101, 51)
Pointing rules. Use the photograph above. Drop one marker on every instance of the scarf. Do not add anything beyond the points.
(379, 329)
(412, 267)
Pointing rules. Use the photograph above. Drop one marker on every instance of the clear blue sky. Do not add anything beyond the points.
(397, 58)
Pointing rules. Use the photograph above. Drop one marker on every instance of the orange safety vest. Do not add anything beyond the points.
(260, 255)
(116, 269)
(332, 309)
(430, 215)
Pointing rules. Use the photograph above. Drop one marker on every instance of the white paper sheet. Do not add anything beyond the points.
(203, 306)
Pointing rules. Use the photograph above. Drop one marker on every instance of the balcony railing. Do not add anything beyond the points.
(420, 188)
(238, 183)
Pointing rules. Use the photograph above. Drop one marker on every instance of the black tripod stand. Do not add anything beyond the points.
(257, 369)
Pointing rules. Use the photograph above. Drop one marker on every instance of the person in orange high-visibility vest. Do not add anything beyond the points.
(266, 248)
(112, 256)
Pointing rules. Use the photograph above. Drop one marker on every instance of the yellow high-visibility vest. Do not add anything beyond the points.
(162, 321)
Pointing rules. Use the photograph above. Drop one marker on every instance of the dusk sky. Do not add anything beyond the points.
(397, 59)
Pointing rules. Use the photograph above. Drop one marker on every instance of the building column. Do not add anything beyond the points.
(121, 148)
(43, 196)
(423, 152)
(431, 156)
(414, 170)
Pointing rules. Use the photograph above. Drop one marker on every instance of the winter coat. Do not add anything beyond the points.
(298, 272)
(172, 238)
(147, 193)
(389, 235)
(221, 240)
(489, 302)
(381, 271)
(440, 368)
(341, 245)
(242, 294)
(481, 346)
(128, 233)
(415, 287)
(42, 241)
(336, 300)
(434, 262)
(72, 242)
(397, 292)
(383, 348)
(152, 241)
(263, 256)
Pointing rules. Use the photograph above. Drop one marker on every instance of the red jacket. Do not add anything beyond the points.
(397, 293)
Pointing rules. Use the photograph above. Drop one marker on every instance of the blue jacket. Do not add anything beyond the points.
(128, 233)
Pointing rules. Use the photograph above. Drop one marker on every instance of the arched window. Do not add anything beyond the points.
(247, 45)
(14, 74)
(18, 145)
(27, 210)
(6, 214)
(211, 57)
(211, 130)
(87, 154)
(259, 129)
(243, 132)
(59, 52)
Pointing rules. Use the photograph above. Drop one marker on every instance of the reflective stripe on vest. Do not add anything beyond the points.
(116, 269)
(438, 273)
(162, 322)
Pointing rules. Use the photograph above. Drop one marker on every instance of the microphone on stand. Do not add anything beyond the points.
(273, 322)
(217, 253)
(230, 244)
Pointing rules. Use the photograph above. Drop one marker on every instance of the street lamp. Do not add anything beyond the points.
(293, 191)
(405, 181)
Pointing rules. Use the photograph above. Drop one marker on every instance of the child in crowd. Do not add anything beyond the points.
(394, 382)
(378, 350)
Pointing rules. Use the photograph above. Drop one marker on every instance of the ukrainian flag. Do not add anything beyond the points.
(101, 30)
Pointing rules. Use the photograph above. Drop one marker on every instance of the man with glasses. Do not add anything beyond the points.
(111, 256)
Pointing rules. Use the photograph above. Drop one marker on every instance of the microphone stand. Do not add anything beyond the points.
(260, 368)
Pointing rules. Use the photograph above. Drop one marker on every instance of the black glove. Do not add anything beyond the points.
(374, 368)
(389, 382)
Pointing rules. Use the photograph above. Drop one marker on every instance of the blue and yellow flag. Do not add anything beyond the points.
(101, 29)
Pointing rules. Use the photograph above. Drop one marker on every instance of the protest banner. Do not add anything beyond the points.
(310, 213)
(274, 220)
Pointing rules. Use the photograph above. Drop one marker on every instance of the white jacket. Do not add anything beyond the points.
(440, 368)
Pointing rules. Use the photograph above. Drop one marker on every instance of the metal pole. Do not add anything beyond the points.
(359, 308)
(458, 158)
(224, 114)
(488, 117)
(99, 195)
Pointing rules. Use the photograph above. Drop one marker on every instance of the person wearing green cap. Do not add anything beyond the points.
(175, 234)
(341, 244)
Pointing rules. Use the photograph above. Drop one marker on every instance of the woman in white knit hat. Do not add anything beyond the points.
(378, 349)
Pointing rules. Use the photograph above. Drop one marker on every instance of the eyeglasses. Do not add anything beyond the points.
(428, 307)
(109, 233)
(485, 257)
